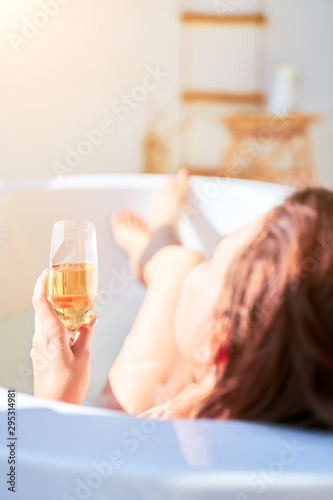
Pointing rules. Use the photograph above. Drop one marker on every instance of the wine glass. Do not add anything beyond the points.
(73, 277)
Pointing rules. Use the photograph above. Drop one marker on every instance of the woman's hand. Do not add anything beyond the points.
(185, 405)
(61, 370)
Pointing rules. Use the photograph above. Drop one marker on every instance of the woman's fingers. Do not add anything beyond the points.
(181, 406)
(82, 342)
(156, 412)
(42, 306)
(162, 412)
(47, 322)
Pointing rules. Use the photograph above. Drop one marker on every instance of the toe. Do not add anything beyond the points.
(128, 218)
(183, 174)
(118, 218)
(182, 178)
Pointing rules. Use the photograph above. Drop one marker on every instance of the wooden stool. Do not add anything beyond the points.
(258, 142)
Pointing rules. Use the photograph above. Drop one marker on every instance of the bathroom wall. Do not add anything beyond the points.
(300, 33)
(59, 82)
(81, 81)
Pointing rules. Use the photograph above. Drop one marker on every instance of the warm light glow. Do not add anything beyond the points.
(13, 7)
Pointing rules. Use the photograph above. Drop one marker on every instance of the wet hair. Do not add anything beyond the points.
(277, 306)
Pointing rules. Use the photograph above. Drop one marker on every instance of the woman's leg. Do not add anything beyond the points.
(149, 369)
(150, 359)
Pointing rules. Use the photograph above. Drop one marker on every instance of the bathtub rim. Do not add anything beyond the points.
(118, 181)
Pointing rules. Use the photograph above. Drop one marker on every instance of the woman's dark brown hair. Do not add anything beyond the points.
(278, 305)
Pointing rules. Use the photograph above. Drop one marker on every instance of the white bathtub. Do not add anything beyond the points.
(58, 444)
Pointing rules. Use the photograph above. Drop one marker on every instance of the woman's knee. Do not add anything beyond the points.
(173, 260)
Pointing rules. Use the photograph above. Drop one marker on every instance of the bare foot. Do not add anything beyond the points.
(132, 234)
(169, 198)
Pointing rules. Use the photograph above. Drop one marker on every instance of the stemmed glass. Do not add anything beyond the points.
(73, 278)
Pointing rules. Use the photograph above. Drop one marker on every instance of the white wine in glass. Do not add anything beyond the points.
(74, 273)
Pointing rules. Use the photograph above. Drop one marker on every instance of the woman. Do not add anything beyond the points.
(247, 335)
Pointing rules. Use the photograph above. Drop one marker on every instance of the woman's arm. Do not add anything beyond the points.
(61, 371)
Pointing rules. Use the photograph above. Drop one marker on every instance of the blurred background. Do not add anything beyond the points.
(227, 87)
